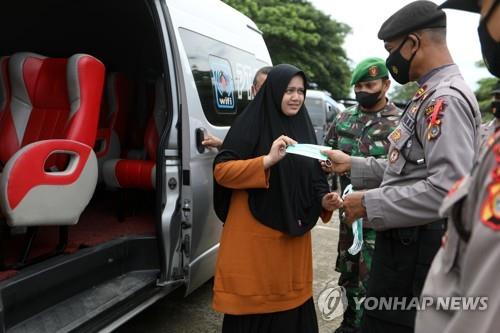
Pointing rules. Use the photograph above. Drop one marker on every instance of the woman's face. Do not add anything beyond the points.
(293, 98)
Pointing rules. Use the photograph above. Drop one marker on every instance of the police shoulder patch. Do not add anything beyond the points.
(490, 209)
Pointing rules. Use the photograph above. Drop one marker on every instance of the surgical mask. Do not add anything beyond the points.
(366, 99)
(357, 228)
(398, 66)
(489, 47)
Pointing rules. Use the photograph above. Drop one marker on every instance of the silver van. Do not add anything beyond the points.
(187, 68)
(322, 110)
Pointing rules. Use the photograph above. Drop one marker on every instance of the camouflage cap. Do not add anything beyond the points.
(368, 70)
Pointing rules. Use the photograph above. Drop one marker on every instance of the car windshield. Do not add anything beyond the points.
(316, 111)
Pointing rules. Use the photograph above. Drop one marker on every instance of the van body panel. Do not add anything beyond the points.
(205, 46)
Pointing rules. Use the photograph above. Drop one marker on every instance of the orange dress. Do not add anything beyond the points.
(259, 269)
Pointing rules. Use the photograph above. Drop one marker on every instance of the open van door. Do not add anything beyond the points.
(216, 61)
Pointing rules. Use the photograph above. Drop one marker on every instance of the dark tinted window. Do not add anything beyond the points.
(316, 112)
(223, 75)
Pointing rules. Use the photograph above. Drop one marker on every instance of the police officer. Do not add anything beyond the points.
(432, 147)
(467, 263)
(361, 130)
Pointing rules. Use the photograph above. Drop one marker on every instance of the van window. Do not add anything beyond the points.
(223, 75)
(316, 112)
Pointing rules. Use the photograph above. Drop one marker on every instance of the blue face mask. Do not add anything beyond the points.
(489, 47)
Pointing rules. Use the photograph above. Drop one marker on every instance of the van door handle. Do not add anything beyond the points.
(200, 136)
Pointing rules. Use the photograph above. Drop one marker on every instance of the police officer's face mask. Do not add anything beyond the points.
(398, 66)
(367, 99)
(489, 47)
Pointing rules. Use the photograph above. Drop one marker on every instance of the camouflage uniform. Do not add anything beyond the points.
(362, 134)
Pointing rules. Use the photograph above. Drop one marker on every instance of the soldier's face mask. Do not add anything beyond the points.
(489, 47)
(398, 66)
(367, 99)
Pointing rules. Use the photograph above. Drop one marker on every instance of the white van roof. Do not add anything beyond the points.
(220, 21)
(324, 95)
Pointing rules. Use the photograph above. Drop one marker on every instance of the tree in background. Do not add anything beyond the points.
(402, 93)
(297, 33)
(483, 94)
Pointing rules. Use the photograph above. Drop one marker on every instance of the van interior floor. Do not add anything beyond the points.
(98, 224)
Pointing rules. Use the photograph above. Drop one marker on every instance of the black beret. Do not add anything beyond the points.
(467, 5)
(414, 16)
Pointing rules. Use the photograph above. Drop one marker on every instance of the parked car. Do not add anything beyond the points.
(79, 256)
(322, 110)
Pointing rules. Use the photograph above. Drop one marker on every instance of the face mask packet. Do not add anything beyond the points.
(308, 150)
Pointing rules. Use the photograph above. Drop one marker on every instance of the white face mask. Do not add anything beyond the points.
(357, 228)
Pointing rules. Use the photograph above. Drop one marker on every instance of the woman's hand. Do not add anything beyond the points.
(277, 151)
(331, 201)
(211, 141)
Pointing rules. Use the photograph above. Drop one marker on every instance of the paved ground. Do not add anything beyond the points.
(193, 314)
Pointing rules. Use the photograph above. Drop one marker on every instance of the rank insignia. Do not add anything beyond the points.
(428, 110)
(373, 71)
(420, 92)
(394, 155)
(490, 212)
(396, 135)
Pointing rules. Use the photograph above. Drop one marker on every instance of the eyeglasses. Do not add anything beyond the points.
(291, 90)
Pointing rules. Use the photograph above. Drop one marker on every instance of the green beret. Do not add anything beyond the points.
(467, 5)
(417, 15)
(368, 70)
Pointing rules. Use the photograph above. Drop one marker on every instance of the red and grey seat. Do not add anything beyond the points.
(46, 138)
(116, 108)
(140, 174)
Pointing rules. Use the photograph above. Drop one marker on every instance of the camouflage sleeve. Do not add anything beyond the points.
(331, 138)
(367, 173)
(448, 157)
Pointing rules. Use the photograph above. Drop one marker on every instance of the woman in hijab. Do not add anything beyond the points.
(269, 202)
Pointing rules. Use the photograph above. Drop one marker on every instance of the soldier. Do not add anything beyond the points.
(432, 147)
(361, 130)
(467, 263)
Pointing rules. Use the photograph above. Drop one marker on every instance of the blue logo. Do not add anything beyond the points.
(223, 85)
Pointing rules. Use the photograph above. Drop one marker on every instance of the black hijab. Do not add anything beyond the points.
(292, 203)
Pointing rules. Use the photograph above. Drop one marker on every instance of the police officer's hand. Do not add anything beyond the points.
(353, 207)
(277, 151)
(331, 201)
(340, 162)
